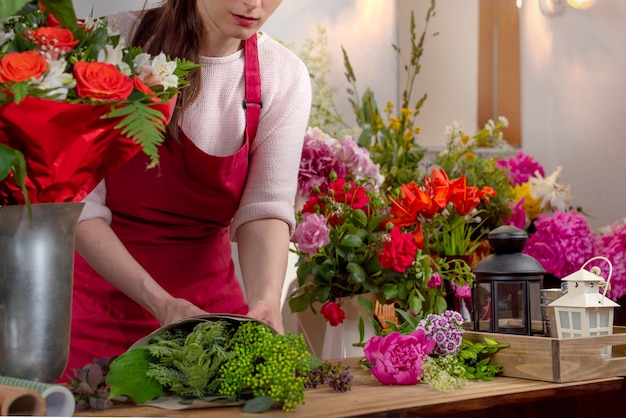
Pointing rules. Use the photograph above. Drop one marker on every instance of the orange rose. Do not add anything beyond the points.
(143, 87)
(101, 81)
(22, 66)
(54, 40)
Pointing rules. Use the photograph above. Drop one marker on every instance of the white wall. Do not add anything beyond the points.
(573, 81)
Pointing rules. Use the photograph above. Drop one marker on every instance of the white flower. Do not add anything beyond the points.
(158, 71)
(6, 37)
(552, 194)
(114, 56)
(56, 81)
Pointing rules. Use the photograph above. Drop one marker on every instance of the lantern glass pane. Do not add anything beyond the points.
(564, 319)
(577, 322)
(593, 323)
(604, 318)
(484, 306)
(511, 307)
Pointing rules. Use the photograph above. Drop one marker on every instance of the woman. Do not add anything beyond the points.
(154, 244)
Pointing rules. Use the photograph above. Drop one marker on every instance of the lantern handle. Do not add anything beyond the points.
(608, 279)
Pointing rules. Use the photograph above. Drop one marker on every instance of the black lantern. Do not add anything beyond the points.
(506, 297)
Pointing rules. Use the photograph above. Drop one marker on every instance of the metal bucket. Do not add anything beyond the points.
(36, 277)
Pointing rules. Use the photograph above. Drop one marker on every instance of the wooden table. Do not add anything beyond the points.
(504, 396)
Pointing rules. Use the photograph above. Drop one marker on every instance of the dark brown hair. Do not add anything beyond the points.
(175, 28)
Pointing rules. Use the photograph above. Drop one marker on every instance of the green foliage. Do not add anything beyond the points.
(127, 376)
(476, 358)
(10, 7)
(12, 160)
(143, 124)
(188, 365)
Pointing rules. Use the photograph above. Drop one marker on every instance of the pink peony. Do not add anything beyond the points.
(398, 252)
(312, 233)
(520, 168)
(562, 243)
(398, 359)
(611, 243)
(333, 313)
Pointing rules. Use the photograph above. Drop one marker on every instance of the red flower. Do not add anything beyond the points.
(143, 87)
(333, 313)
(54, 40)
(22, 66)
(352, 195)
(399, 252)
(101, 81)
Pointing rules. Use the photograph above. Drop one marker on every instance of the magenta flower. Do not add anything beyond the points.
(462, 291)
(434, 281)
(611, 243)
(398, 359)
(520, 168)
(518, 216)
(312, 233)
(318, 161)
(562, 243)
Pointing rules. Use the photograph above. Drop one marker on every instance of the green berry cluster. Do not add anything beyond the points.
(269, 364)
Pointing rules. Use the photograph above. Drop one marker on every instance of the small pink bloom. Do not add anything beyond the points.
(333, 313)
(434, 281)
(462, 291)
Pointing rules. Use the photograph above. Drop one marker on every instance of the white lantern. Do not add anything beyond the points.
(585, 311)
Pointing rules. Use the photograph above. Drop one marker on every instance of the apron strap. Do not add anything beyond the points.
(252, 103)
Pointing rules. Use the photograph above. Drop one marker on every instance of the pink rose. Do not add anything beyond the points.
(312, 233)
(398, 359)
(434, 281)
(333, 313)
(398, 252)
(462, 291)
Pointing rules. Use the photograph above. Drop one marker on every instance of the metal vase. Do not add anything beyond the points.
(36, 277)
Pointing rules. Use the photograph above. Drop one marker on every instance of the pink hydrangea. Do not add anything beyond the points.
(312, 233)
(317, 162)
(398, 359)
(520, 168)
(562, 243)
(611, 244)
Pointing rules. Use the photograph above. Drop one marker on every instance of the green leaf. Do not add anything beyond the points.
(144, 125)
(127, 376)
(63, 10)
(12, 160)
(299, 303)
(11, 7)
(352, 241)
(258, 404)
(357, 274)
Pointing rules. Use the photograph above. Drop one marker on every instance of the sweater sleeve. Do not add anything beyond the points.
(276, 151)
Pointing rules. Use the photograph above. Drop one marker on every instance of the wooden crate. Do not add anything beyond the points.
(558, 360)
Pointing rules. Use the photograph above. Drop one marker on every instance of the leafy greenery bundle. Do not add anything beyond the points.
(52, 64)
(216, 361)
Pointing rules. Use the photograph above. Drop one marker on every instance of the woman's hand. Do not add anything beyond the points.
(268, 314)
(176, 309)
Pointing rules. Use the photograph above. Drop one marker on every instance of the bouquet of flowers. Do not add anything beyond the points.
(75, 103)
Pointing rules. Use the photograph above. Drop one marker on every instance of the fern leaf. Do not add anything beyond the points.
(144, 125)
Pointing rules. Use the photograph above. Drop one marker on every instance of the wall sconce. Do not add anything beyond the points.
(554, 7)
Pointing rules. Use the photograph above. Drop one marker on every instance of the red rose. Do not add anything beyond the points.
(355, 196)
(101, 81)
(54, 40)
(22, 66)
(399, 252)
(333, 313)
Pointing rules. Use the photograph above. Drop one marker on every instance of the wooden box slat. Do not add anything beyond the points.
(558, 360)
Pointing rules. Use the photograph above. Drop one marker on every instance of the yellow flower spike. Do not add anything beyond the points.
(389, 108)
(418, 129)
(406, 112)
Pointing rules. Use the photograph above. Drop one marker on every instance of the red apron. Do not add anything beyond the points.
(174, 220)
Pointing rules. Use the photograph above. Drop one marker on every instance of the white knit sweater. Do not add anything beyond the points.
(216, 121)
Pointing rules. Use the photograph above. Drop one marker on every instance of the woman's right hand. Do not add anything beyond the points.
(176, 309)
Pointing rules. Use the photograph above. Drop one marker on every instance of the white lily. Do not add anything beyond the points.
(552, 194)
(158, 71)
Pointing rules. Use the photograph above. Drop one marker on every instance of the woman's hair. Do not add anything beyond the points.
(175, 28)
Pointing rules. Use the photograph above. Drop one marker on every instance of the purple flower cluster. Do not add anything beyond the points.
(520, 168)
(322, 155)
(562, 242)
(446, 330)
(611, 244)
